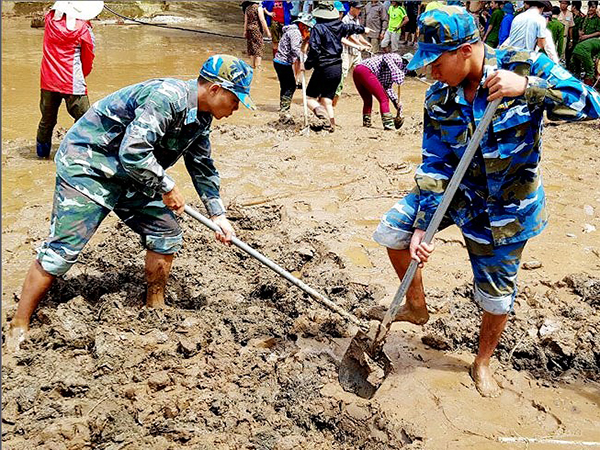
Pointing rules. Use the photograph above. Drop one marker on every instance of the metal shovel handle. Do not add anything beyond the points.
(278, 269)
(451, 189)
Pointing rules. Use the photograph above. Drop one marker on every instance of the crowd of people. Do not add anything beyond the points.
(116, 155)
(337, 37)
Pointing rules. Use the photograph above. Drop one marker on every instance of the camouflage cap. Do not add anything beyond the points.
(230, 73)
(442, 30)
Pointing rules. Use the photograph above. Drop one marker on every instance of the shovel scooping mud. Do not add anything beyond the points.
(365, 365)
(279, 270)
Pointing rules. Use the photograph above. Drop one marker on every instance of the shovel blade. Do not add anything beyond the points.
(363, 368)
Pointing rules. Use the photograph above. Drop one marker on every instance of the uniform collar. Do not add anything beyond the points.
(490, 65)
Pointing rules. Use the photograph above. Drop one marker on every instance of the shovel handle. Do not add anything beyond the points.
(278, 269)
(304, 100)
(451, 189)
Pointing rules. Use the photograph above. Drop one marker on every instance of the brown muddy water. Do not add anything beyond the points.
(242, 360)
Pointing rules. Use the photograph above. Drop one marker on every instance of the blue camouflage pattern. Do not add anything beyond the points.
(130, 138)
(503, 182)
(494, 268)
(441, 30)
(75, 218)
(232, 74)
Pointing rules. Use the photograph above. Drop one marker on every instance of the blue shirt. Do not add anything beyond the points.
(504, 180)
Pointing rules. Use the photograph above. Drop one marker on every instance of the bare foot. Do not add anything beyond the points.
(155, 303)
(406, 314)
(484, 380)
(14, 337)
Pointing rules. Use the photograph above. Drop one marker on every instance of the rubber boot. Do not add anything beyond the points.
(388, 121)
(284, 110)
(367, 120)
(43, 149)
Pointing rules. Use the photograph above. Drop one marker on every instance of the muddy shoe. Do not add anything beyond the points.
(388, 121)
(367, 120)
(286, 118)
(398, 122)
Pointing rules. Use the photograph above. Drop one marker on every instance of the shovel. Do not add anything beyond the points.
(279, 270)
(305, 131)
(365, 365)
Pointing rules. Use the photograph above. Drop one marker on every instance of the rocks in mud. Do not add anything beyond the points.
(585, 286)
(555, 338)
(103, 371)
(159, 380)
(532, 265)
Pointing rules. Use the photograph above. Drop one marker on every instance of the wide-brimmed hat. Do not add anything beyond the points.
(305, 18)
(82, 10)
(230, 73)
(325, 10)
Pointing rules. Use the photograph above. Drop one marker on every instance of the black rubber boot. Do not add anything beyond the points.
(43, 149)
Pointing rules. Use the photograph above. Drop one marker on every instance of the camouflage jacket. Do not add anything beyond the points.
(504, 179)
(127, 140)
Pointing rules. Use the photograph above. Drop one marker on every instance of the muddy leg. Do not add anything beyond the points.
(415, 308)
(157, 272)
(35, 287)
(491, 329)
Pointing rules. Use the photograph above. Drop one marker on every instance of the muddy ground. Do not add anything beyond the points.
(240, 359)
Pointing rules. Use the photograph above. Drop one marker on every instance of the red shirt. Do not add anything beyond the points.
(278, 13)
(68, 56)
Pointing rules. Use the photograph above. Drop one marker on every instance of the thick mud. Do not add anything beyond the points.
(237, 360)
(241, 359)
(554, 336)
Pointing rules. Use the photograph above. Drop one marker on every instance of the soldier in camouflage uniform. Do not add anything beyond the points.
(114, 159)
(500, 203)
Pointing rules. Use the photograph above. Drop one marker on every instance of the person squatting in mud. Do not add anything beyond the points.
(114, 159)
(500, 203)
(325, 57)
(288, 52)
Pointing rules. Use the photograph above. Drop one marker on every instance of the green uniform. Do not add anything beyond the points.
(494, 26)
(578, 20)
(583, 57)
(557, 30)
(590, 25)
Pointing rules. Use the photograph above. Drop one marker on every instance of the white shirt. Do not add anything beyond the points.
(526, 29)
(567, 20)
(346, 48)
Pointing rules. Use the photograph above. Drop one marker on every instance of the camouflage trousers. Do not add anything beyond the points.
(76, 217)
(494, 267)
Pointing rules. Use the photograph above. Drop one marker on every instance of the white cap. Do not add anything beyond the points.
(83, 10)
